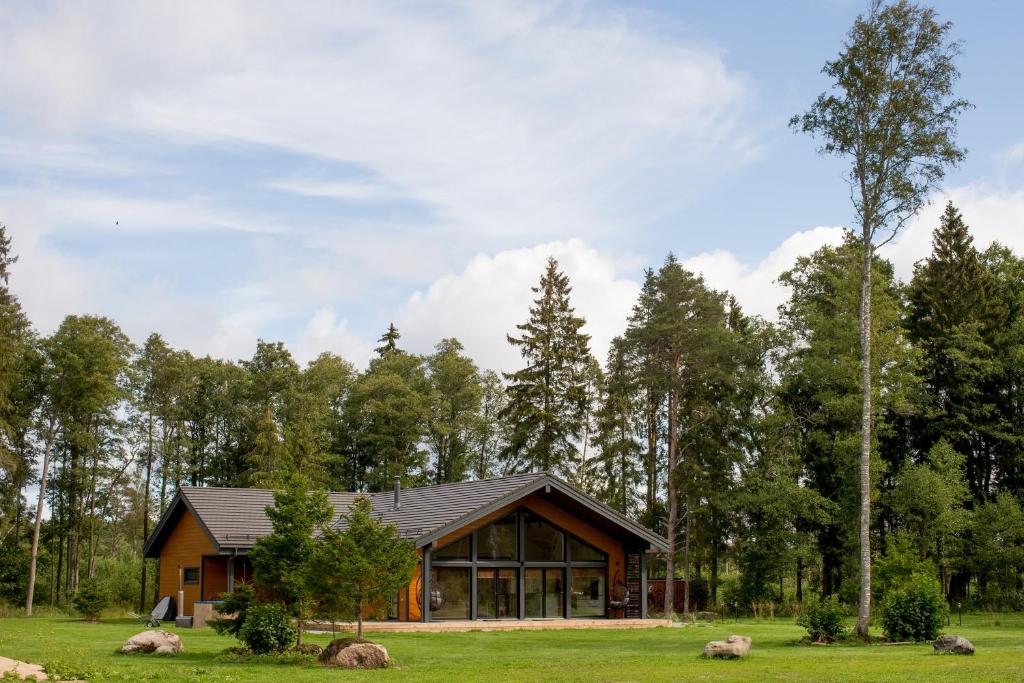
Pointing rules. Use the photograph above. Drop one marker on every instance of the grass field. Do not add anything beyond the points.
(662, 654)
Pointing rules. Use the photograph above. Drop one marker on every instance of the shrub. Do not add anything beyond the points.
(267, 628)
(236, 604)
(898, 565)
(91, 599)
(823, 619)
(914, 610)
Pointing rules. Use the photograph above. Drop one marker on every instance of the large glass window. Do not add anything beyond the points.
(544, 543)
(497, 540)
(581, 552)
(588, 590)
(449, 592)
(545, 591)
(496, 594)
(457, 550)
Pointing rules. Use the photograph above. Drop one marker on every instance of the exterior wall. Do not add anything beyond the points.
(557, 516)
(185, 547)
(214, 577)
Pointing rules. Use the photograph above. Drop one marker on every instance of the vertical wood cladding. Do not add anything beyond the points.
(633, 582)
(215, 576)
(185, 547)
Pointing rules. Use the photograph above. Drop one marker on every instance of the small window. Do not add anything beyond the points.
(191, 576)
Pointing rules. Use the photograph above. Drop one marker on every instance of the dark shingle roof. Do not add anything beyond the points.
(234, 517)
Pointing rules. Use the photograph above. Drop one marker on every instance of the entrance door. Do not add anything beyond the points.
(545, 592)
(496, 595)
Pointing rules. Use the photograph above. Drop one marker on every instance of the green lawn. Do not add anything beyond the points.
(662, 654)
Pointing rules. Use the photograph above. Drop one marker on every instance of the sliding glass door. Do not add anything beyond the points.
(544, 592)
(497, 596)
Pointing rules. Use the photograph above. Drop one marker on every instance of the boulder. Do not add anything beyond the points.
(730, 648)
(954, 645)
(350, 653)
(21, 670)
(159, 642)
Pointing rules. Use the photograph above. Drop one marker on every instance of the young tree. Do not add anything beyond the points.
(616, 436)
(279, 560)
(548, 398)
(361, 566)
(893, 114)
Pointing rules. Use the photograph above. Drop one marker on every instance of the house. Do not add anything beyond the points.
(527, 546)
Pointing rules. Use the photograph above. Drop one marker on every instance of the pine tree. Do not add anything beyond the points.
(268, 462)
(388, 341)
(548, 398)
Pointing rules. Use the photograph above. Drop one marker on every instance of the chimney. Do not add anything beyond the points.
(398, 493)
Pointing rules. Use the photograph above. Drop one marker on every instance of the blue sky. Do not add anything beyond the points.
(222, 172)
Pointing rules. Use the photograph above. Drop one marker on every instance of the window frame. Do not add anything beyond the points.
(475, 563)
(184, 576)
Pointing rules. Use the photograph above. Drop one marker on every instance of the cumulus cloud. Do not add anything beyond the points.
(486, 300)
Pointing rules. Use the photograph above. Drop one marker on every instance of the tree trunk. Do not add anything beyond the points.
(799, 580)
(673, 508)
(686, 559)
(864, 612)
(50, 438)
(359, 620)
(145, 514)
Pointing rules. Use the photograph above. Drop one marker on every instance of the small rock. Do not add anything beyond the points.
(955, 645)
(352, 654)
(159, 642)
(730, 648)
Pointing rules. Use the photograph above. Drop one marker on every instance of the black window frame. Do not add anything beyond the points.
(475, 563)
(184, 576)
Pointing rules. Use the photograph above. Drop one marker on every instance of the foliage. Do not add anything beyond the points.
(914, 610)
(267, 628)
(547, 399)
(236, 604)
(824, 619)
(91, 599)
(896, 567)
(279, 559)
(361, 566)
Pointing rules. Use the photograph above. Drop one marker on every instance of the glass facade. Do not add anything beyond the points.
(518, 566)
(588, 591)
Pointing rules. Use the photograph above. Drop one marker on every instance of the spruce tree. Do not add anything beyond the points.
(954, 318)
(548, 398)
(616, 438)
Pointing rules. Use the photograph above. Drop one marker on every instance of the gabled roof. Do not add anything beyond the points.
(234, 518)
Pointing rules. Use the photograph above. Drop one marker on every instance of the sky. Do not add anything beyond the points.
(311, 172)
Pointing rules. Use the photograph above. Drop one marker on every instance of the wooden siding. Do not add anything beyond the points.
(215, 576)
(185, 547)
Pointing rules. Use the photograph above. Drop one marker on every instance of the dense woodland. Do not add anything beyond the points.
(736, 435)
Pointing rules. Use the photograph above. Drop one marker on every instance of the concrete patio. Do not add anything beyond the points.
(496, 625)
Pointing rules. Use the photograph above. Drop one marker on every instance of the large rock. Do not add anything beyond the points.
(21, 670)
(350, 653)
(159, 642)
(955, 645)
(730, 648)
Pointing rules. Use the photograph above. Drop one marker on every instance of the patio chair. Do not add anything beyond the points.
(621, 604)
(159, 612)
(436, 599)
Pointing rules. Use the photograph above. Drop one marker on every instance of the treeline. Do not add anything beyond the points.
(736, 437)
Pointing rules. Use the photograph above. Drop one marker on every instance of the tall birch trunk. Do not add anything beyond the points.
(864, 611)
(51, 436)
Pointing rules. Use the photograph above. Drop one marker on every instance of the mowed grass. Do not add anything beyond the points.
(661, 654)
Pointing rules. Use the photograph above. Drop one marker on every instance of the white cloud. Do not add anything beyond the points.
(484, 302)
(532, 119)
(755, 285)
(346, 191)
(1013, 153)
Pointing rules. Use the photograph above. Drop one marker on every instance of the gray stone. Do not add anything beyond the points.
(730, 648)
(349, 653)
(954, 645)
(159, 642)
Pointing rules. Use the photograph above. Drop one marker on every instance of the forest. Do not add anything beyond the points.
(736, 434)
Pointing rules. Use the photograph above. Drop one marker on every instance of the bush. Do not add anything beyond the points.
(267, 628)
(897, 566)
(91, 599)
(915, 610)
(823, 619)
(236, 604)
